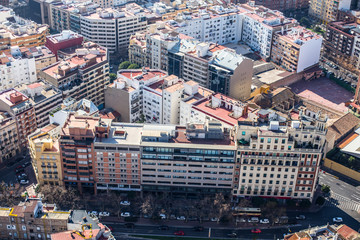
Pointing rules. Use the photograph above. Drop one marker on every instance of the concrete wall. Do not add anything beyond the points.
(309, 54)
(288, 80)
(342, 169)
(118, 100)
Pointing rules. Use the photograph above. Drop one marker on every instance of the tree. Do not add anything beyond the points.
(220, 206)
(112, 77)
(272, 211)
(325, 188)
(257, 201)
(124, 65)
(148, 206)
(304, 21)
(65, 198)
(320, 201)
(133, 66)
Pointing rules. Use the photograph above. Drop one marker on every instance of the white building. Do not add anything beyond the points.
(16, 68)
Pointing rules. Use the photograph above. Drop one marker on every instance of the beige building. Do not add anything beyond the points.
(137, 49)
(9, 145)
(277, 158)
(84, 74)
(43, 57)
(45, 153)
(32, 220)
(327, 10)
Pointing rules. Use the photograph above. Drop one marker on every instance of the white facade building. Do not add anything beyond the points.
(16, 69)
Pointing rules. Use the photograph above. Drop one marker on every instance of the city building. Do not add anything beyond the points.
(84, 73)
(43, 57)
(213, 66)
(45, 154)
(63, 40)
(43, 97)
(327, 11)
(20, 107)
(32, 219)
(259, 26)
(117, 157)
(9, 141)
(282, 5)
(16, 67)
(137, 49)
(76, 150)
(16, 31)
(191, 160)
(279, 158)
(130, 89)
(342, 44)
(328, 231)
(296, 49)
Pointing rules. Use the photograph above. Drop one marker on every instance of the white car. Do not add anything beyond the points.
(162, 216)
(214, 219)
(104, 214)
(181, 218)
(125, 214)
(337, 219)
(125, 203)
(264, 221)
(93, 213)
(24, 182)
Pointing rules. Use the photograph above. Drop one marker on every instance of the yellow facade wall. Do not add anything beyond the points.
(342, 169)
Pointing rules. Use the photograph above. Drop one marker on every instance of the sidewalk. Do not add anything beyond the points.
(191, 224)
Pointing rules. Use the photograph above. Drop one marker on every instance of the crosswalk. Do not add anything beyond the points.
(336, 200)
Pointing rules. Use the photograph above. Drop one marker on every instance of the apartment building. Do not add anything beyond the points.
(32, 219)
(296, 49)
(83, 74)
(43, 97)
(279, 158)
(137, 49)
(213, 66)
(16, 31)
(215, 107)
(43, 57)
(117, 156)
(131, 88)
(77, 152)
(341, 43)
(282, 5)
(45, 154)
(9, 141)
(16, 67)
(327, 11)
(259, 26)
(22, 110)
(215, 24)
(191, 160)
(63, 40)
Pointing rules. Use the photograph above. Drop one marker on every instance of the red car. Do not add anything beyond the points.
(179, 233)
(255, 230)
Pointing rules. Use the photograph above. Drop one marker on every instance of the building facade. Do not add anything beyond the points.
(9, 145)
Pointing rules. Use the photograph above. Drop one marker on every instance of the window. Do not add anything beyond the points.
(23, 227)
(243, 133)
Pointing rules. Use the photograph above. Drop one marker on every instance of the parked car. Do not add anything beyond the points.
(198, 228)
(214, 219)
(254, 220)
(125, 214)
(241, 220)
(163, 227)
(182, 218)
(104, 214)
(162, 216)
(24, 182)
(93, 213)
(232, 235)
(129, 225)
(255, 230)
(337, 219)
(172, 217)
(300, 217)
(179, 233)
(125, 203)
(264, 221)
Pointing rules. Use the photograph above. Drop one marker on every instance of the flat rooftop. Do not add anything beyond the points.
(122, 133)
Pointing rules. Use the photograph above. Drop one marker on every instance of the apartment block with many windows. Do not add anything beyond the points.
(191, 160)
(9, 141)
(279, 159)
(117, 157)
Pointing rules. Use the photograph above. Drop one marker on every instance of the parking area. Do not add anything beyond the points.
(339, 72)
(325, 92)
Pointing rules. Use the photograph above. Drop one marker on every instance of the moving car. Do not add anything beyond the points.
(264, 221)
(337, 219)
(300, 217)
(255, 230)
(125, 214)
(179, 233)
(125, 203)
(163, 227)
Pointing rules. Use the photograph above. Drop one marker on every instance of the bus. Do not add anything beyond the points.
(251, 212)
